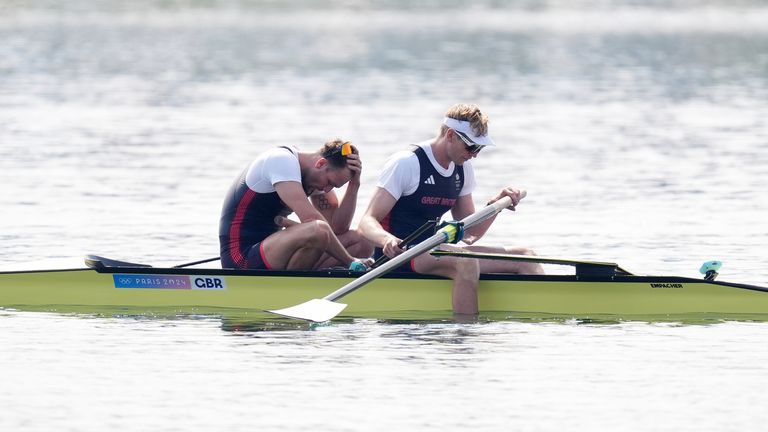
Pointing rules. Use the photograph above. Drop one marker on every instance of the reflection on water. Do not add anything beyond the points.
(184, 373)
(248, 321)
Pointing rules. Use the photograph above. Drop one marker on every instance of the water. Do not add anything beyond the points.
(126, 374)
(639, 129)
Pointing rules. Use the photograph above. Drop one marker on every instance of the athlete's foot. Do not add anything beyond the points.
(361, 264)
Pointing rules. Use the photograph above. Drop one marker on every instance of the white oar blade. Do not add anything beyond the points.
(315, 310)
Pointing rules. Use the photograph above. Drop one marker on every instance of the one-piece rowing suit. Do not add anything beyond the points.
(251, 205)
(424, 191)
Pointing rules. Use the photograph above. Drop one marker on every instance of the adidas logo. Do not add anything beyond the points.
(429, 180)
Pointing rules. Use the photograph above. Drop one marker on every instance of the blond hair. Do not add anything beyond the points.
(470, 113)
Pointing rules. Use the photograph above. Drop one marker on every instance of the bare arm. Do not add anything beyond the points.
(464, 207)
(328, 204)
(370, 225)
(339, 214)
(295, 198)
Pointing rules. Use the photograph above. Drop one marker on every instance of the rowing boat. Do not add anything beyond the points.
(595, 289)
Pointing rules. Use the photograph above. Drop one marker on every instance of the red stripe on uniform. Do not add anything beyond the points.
(234, 229)
(386, 222)
(264, 257)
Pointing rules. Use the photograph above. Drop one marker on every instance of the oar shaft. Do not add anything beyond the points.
(438, 238)
(406, 241)
(207, 260)
(388, 266)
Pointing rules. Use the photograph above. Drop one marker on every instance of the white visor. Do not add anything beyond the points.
(465, 128)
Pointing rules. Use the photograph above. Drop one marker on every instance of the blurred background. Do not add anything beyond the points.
(639, 128)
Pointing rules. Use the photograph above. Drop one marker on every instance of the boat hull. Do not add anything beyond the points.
(148, 290)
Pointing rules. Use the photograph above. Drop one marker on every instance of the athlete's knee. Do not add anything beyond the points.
(520, 251)
(526, 267)
(466, 269)
(318, 233)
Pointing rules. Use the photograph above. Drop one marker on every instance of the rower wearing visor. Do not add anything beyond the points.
(254, 231)
(432, 178)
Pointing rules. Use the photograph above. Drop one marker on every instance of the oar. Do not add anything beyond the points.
(324, 309)
(207, 260)
(406, 241)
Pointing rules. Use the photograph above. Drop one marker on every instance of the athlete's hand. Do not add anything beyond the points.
(284, 222)
(355, 164)
(515, 194)
(391, 248)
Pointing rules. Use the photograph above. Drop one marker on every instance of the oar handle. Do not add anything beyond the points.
(440, 237)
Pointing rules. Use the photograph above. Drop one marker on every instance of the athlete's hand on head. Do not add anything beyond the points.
(356, 165)
(392, 247)
(515, 194)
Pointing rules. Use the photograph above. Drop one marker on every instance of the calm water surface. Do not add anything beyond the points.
(639, 128)
(150, 374)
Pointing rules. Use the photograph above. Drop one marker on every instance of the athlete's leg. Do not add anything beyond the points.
(465, 273)
(297, 247)
(354, 243)
(499, 266)
(300, 246)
